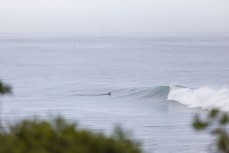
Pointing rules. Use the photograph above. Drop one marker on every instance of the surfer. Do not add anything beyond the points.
(109, 94)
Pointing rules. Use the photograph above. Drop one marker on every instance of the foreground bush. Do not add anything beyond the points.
(38, 136)
(217, 124)
(61, 137)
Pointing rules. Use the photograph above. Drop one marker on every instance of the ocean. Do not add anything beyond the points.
(150, 85)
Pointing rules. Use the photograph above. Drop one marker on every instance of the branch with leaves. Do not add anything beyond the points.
(216, 123)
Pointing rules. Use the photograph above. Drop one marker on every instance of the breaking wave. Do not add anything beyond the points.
(203, 97)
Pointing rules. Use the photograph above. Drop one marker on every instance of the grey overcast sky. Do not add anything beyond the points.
(114, 16)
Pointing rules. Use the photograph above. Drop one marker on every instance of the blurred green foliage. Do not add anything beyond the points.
(4, 88)
(59, 136)
(216, 123)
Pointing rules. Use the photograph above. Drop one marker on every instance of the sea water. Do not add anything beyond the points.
(157, 84)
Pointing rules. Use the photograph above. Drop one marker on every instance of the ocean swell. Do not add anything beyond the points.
(146, 92)
(130, 92)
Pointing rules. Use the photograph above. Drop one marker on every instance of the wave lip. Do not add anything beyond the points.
(204, 97)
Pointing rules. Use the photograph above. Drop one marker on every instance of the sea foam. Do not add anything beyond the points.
(204, 97)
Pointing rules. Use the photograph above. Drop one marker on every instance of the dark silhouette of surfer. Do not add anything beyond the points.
(109, 94)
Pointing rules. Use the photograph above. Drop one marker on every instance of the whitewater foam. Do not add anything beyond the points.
(204, 97)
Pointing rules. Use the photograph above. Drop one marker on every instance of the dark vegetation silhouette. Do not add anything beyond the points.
(216, 123)
(4, 88)
(60, 136)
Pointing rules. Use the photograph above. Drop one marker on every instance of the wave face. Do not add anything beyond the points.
(204, 97)
(156, 92)
(140, 92)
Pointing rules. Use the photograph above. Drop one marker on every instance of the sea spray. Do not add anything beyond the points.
(204, 97)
